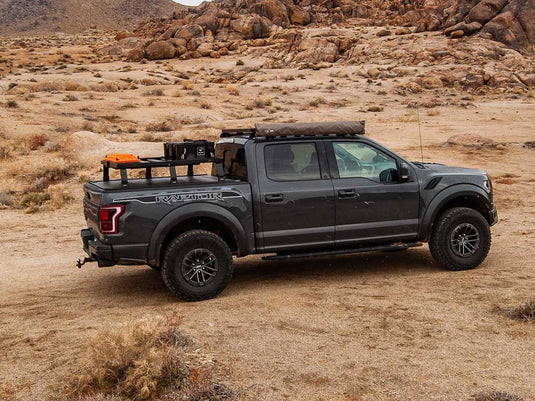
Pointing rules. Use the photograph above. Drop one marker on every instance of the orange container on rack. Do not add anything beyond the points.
(122, 158)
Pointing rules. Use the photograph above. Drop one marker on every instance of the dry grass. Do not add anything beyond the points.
(59, 196)
(496, 396)
(36, 141)
(524, 312)
(317, 101)
(410, 117)
(5, 152)
(144, 360)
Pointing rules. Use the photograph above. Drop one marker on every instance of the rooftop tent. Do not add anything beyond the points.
(311, 129)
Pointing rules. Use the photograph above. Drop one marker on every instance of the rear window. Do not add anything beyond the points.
(234, 165)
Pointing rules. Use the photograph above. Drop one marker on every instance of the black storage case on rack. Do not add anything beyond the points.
(189, 150)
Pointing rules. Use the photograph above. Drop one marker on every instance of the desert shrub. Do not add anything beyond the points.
(34, 199)
(39, 185)
(233, 90)
(58, 195)
(57, 172)
(261, 103)
(143, 360)
(12, 104)
(240, 62)
(154, 92)
(5, 199)
(187, 85)
(70, 98)
(317, 101)
(375, 108)
(36, 141)
(75, 87)
(149, 137)
(105, 87)
(163, 126)
(205, 105)
(433, 112)
(410, 117)
(496, 396)
(5, 152)
(524, 312)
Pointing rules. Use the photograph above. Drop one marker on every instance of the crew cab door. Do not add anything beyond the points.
(296, 195)
(372, 202)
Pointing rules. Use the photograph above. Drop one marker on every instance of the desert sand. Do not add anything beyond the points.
(378, 326)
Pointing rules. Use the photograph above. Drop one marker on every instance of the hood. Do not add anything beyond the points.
(443, 169)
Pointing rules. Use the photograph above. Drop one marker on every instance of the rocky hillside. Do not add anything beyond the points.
(26, 17)
(186, 33)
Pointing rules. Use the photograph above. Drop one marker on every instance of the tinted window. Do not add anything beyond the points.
(292, 162)
(234, 164)
(356, 159)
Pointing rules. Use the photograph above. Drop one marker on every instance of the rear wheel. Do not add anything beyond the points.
(460, 239)
(197, 265)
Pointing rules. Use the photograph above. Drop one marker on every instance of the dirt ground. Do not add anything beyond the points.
(378, 326)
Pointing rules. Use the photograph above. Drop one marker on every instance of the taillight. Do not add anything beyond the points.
(109, 218)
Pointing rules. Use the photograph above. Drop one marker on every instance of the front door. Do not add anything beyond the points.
(372, 204)
(297, 196)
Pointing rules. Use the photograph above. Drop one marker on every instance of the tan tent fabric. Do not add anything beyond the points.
(311, 129)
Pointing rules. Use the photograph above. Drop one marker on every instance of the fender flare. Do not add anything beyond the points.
(183, 213)
(446, 195)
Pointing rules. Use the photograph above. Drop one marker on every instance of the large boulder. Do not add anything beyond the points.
(314, 50)
(250, 26)
(274, 10)
(506, 21)
(209, 21)
(486, 10)
(506, 28)
(189, 31)
(299, 16)
(160, 50)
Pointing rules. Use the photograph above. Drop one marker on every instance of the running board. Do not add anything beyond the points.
(391, 247)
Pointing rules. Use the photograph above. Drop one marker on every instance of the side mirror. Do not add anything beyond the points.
(404, 172)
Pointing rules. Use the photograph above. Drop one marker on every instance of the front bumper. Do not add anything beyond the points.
(97, 250)
(493, 216)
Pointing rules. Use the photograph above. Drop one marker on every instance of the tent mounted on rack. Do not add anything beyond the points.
(331, 128)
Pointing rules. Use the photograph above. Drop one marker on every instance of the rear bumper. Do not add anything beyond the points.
(97, 250)
(109, 255)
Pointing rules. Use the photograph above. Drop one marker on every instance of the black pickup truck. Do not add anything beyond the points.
(287, 191)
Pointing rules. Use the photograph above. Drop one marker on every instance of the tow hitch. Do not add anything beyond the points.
(81, 262)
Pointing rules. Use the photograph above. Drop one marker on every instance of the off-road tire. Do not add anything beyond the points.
(440, 243)
(176, 255)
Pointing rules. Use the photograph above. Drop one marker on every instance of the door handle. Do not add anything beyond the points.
(347, 194)
(272, 198)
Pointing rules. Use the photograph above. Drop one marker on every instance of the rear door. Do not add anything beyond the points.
(296, 195)
(372, 204)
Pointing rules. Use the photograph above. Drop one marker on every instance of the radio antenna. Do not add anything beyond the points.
(420, 133)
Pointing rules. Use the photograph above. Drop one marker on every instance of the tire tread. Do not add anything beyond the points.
(167, 265)
(438, 247)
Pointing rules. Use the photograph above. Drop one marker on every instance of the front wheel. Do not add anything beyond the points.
(460, 239)
(197, 265)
